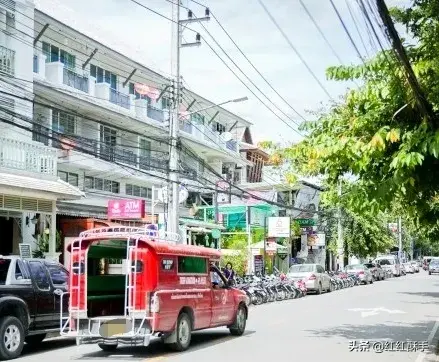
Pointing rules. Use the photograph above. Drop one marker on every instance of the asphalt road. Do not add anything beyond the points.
(314, 328)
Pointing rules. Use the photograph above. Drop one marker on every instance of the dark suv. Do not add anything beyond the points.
(30, 292)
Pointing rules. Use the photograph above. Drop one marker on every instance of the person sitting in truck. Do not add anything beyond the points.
(216, 280)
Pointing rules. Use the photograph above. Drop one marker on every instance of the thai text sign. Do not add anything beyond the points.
(126, 209)
(279, 227)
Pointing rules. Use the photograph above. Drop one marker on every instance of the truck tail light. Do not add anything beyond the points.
(312, 277)
(155, 304)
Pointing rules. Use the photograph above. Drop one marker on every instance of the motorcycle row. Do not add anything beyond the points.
(271, 288)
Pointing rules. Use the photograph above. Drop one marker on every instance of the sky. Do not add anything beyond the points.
(146, 37)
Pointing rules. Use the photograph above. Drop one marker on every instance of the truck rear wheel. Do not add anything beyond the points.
(183, 333)
(107, 347)
(238, 327)
(12, 337)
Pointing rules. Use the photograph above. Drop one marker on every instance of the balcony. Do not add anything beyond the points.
(24, 156)
(156, 114)
(186, 127)
(232, 145)
(121, 99)
(7, 60)
(75, 80)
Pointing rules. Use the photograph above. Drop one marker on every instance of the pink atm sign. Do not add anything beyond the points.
(126, 209)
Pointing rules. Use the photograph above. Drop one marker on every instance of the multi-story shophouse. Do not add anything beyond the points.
(29, 183)
(107, 118)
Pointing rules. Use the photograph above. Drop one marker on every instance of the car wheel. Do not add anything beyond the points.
(429, 273)
(107, 347)
(371, 281)
(35, 339)
(12, 337)
(184, 333)
(238, 328)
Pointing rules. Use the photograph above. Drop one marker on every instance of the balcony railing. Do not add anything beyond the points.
(152, 163)
(232, 145)
(72, 79)
(36, 66)
(122, 100)
(155, 113)
(7, 60)
(186, 127)
(24, 156)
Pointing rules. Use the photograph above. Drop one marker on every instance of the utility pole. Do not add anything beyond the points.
(399, 238)
(177, 35)
(340, 246)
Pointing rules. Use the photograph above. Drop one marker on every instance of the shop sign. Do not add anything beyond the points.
(316, 239)
(258, 263)
(279, 227)
(306, 222)
(126, 209)
(193, 280)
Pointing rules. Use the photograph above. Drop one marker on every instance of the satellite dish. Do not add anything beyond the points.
(227, 136)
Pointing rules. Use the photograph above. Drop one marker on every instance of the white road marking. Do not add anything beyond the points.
(422, 355)
(367, 312)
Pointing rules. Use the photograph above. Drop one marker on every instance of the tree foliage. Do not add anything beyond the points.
(378, 136)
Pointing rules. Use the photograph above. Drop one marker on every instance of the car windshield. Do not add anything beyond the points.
(385, 262)
(434, 262)
(302, 268)
(369, 265)
(355, 267)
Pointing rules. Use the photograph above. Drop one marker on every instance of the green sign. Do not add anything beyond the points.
(216, 234)
(306, 222)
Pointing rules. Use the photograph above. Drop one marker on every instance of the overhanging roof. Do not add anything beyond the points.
(61, 189)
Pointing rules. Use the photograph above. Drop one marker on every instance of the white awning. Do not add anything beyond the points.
(59, 188)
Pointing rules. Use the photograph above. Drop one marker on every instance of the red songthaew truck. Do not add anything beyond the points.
(164, 289)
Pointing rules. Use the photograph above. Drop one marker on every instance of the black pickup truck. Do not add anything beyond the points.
(30, 300)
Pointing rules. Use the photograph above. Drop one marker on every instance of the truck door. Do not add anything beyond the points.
(43, 294)
(223, 304)
(60, 279)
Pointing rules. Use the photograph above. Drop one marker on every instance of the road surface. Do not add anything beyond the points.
(314, 328)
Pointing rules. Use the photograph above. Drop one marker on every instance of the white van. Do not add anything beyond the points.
(390, 262)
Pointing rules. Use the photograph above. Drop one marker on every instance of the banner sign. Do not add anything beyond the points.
(146, 90)
(279, 227)
(126, 209)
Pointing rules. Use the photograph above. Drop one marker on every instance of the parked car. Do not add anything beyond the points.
(376, 270)
(30, 292)
(316, 279)
(361, 271)
(415, 266)
(408, 268)
(433, 267)
(390, 262)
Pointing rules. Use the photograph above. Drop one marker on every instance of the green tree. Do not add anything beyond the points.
(377, 135)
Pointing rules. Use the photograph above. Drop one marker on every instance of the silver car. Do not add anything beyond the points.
(433, 267)
(361, 271)
(313, 275)
(415, 266)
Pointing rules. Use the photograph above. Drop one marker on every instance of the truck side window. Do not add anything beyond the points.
(58, 274)
(39, 273)
(4, 268)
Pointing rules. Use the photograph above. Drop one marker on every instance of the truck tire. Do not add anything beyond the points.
(11, 337)
(35, 339)
(183, 331)
(107, 347)
(238, 327)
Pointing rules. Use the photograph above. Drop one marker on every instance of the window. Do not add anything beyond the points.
(4, 268)
(138, 191)
(7, 60)
(197, 118)
(63, 122)
(103, 76)
(166, 103)
(54, 54)
(58, 274)
(192, 265)
(95, 183)
(39, 274)
(8, 6)
(71, 178)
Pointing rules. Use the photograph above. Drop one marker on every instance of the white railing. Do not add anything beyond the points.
(125, 231)
(21, 155)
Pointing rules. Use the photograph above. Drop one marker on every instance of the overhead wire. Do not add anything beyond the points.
(287, 39)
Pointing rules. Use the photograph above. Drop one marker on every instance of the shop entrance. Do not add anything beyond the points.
(7, 235)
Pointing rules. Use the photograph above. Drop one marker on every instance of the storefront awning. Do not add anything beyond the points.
(79, 210)
(61, 189)
(200, 224)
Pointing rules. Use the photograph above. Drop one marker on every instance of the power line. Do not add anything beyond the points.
(351, 13)
(294, 48)
(346, 30)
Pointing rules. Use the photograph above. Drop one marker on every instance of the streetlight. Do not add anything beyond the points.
(236, 100)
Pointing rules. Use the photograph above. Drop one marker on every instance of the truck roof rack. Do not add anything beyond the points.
(126, 231)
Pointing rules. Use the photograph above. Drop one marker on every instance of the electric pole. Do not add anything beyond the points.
(400, 239)
(340, 244)
(173, 184)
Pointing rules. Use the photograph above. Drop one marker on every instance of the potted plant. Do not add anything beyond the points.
(42, 249)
